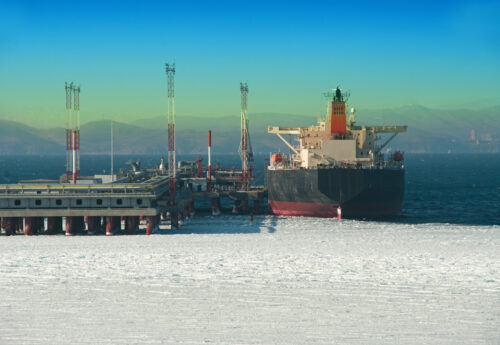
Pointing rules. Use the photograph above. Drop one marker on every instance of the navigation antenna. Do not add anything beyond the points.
(329, 97)
(245, 148)
(170, 70)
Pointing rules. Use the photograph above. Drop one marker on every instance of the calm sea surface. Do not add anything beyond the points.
(454, 188)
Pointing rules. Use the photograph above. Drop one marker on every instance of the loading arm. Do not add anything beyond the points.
(284, 130)
(386, 142)
(287, 143)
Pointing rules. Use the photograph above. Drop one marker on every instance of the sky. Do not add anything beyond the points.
(437, 54)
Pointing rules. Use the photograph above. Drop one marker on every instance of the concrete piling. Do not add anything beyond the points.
(113, 224)
(150, 225)
(69, 229)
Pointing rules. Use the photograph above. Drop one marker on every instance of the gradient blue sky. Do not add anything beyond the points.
(389, 54)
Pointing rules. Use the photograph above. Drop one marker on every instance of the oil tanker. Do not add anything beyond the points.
(337, 168)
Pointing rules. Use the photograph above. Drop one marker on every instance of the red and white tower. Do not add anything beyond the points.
(69, 130)
(170, 70)
(76, 134)
(72, 131)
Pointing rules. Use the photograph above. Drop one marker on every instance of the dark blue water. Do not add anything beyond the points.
(455, 188)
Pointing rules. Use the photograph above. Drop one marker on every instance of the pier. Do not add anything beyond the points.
(111, 208)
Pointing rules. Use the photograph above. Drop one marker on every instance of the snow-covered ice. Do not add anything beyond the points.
(222, 280)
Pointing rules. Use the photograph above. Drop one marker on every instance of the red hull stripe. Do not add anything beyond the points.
(305, 209)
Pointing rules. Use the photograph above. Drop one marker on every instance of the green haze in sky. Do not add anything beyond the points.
(388, 54)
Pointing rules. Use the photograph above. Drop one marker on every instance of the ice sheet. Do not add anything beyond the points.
(223, 280)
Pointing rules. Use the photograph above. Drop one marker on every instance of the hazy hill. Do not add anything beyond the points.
(435, 130)
(258, 122)
(17, 138)
(430, 130)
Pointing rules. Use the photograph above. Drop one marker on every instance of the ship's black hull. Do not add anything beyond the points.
(359, 193)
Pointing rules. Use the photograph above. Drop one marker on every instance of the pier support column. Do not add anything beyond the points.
(29, 226)
(69, 226)
(244, 205)
(93, 225)
(131, 224)
(54, 225)
(150, 225)
(113, 223)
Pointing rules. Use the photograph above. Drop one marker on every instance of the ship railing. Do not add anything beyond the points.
(156, 188)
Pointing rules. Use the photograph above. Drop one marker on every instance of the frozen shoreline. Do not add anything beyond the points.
(276, 281)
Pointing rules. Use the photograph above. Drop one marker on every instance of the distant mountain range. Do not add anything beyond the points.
(429, 130)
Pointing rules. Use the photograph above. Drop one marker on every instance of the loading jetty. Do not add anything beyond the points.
(136, 199)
